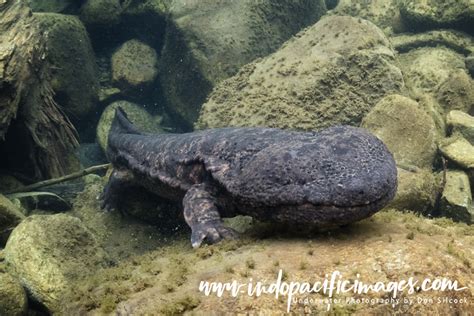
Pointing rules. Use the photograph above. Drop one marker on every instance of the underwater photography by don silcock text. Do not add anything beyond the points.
(236, 157)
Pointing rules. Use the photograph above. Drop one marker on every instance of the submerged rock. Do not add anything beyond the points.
(416, 191)
(461, 123)
(459, 150)
(137, 114)
(101, 12)
(198, 54)
(457, 92)
(13, 300)
(49, 254)
(425, 71)
(134, 66)
(429, 14)
(456, 201)
(317, 79)
(10, 216)
(408, 132)
(74, 72)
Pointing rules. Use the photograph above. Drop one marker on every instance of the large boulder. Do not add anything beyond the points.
(13, 300)
(49, 253)
(427, 72)
(10, 217)
(74, 71)
(317, 79)
(408, 132)
(137, 114)
(198, 54)
(134, 66)
(429, 14)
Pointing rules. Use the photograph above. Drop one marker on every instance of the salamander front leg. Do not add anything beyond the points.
(201, 214)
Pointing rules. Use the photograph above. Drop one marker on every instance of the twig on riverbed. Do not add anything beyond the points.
(67, 177)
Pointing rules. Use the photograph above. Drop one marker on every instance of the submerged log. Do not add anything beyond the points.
(37, 138)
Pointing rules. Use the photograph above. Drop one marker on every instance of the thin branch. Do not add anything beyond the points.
(67, 177)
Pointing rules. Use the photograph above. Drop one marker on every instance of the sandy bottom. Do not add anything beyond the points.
(157, 272)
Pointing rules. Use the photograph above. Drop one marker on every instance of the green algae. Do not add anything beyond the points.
(180, 306)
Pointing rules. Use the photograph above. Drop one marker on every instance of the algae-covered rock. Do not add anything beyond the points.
(74, 72)
(416, 191)
(101, 12)
(208, 41)
(317, 79)
(459, 150)
(457, 92)
(137, 114)
(456, 201)
(13, 300)
(10, 216)
(429, 14)
(385, 14)
(408, 132)
(461, 123)
(425, 70)
(49, 253)
(134, 65)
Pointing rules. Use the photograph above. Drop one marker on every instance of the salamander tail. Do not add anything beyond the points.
(122, 125)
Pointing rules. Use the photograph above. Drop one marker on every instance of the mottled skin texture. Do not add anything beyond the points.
(328, 178)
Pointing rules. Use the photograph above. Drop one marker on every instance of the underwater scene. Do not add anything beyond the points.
(236, 157)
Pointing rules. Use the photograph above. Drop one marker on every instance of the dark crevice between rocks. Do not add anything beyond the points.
(193, 94)
(417, 25)
(148, 27)
(432, 43)
(35, 308)
(15, 158)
